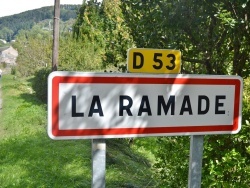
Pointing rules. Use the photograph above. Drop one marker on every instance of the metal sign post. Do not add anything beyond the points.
(56, 35)
(98, 163)
(195, 161)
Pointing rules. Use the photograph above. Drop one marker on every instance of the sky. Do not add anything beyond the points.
(10, 7)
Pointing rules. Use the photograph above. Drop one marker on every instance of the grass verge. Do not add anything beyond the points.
(28, 158)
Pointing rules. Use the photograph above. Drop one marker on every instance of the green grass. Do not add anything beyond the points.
(29, 158)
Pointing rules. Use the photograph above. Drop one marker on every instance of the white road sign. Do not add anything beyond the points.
(104, 105)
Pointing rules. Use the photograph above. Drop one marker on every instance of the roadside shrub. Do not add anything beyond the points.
(172, 159)
(13, 70)
(3, 65)
(226, 158)
(39, 83)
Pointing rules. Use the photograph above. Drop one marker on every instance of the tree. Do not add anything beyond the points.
(103, 26)
(34, 50)
(214, 39)
(117, 38)
(6, 34)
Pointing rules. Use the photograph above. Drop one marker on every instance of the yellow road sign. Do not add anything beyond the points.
(146, 60)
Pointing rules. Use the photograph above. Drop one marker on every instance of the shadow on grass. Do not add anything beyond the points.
(127, 168)
(30, 96)
(37, 161)
(30, 99)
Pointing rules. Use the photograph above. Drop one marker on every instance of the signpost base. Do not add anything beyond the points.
(195, 161)
(98, 163)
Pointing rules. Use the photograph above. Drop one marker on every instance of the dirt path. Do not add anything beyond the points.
(1, 101)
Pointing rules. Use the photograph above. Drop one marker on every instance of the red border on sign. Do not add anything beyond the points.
(56, 132)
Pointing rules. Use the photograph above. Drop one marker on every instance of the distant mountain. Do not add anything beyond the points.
(10, 25)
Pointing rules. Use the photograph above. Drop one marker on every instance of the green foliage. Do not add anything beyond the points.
(39, 84)
(213, 37)
(117, 38)
(246, 101)
(3, 65)
(34, 50)
(226, 158)
(172, 157)
(13, 70)
(6, 33)
(230, 166)
(102, 25)
(100, 41)
(88, 25)
(78, 55)
(226, 161)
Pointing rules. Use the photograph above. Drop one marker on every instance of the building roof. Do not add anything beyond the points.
(4, 48)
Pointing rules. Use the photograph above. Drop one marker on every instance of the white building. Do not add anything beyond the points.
(8, 55)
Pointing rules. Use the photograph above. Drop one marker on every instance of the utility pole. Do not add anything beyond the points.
(55, 51)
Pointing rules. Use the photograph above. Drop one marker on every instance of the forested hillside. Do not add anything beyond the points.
(213, 37)
(11, 25)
